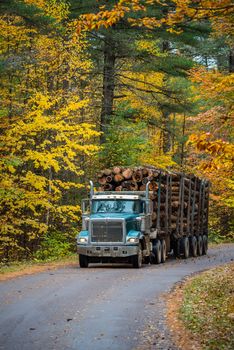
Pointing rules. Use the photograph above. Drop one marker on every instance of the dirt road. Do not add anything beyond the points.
(102, 307)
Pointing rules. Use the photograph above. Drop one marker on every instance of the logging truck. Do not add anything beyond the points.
(141, 215)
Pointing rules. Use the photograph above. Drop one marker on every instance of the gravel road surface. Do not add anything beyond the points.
(99, 308)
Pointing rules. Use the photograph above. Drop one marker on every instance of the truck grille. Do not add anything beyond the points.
(107, 231)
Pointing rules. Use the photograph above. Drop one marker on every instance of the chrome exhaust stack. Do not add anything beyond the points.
(91, 189)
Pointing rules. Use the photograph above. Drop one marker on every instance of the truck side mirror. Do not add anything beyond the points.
(86, 206)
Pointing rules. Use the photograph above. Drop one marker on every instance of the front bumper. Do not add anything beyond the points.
(115, 251)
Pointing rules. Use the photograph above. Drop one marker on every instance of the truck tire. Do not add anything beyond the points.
(205, 244)
(157, 250)
(137, 259)
(199, 245)
(146, 260)
(164, 251)
(84, 260)
(185, 247)
(177, 248)
(193, 246)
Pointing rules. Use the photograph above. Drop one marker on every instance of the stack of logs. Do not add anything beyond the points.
(180, 201)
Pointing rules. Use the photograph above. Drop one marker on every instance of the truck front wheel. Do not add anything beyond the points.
(137, 259)
(84, 261)
(164, 250)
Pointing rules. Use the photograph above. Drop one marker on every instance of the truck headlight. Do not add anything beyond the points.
(82, 240)
(133, 240)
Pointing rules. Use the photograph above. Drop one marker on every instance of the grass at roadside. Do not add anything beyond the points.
(16, 269)
(207, 308)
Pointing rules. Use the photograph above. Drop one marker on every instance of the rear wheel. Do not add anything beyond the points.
(164, 251)
(146, 260)
(84, 260)
(157, 250)
(199, 245)
(177, 248)
(193, 246)
(205, 244)
(185, 247)
(137, 259)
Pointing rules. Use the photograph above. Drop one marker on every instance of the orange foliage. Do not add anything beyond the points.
(219, 12)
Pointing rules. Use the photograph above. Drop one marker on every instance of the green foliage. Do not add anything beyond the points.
(126, 139)
(55, 245)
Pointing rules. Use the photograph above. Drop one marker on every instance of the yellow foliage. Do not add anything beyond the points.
(46, 133)
(151, 47)
(143, 101)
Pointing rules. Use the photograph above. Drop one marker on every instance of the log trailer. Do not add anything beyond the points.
(140, 215)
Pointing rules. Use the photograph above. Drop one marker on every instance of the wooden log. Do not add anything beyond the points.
(133, 186)
(127, 173)
(108, 187)
(107, 172)
(100, 174)
(119, 188)
(153, 186)
(118, 178)
(109, 178)
(175, 205)
(127, 185)
(145, 172)
(162, 205)
(102, 180)
(117, 170)
(137, 175)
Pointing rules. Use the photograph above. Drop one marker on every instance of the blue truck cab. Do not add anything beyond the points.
(116, 227)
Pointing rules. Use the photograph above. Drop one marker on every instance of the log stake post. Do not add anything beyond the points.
(179, 207)
(170, 206)
(193, 205)
(189, 207)
(199, 208)
(182, 208)
(159, 202)
(207, 207)
(166, 204)
(203, 205)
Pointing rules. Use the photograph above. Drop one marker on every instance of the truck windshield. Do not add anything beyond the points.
(116, 206)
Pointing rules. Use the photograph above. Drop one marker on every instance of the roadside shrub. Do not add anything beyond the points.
(55, 245)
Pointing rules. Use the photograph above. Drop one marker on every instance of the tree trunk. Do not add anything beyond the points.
(166, 123)
(108, 85)
(231, 60)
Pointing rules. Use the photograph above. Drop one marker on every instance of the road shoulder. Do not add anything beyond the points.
(209, 302)
(23, 269)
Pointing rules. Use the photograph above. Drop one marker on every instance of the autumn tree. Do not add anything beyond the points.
(46, 130)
